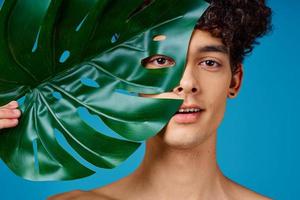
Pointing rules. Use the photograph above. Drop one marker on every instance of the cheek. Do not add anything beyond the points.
(216, 96)
(217, 106)
(216, 86)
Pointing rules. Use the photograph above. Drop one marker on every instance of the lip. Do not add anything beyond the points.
(187, 106)
(188, 118)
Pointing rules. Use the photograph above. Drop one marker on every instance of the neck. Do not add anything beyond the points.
(184, 173)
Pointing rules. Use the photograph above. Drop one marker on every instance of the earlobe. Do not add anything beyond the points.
(236, 82)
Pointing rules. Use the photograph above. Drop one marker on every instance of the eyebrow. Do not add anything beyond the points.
(213, 48)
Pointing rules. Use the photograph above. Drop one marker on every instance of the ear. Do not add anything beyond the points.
(236, 82)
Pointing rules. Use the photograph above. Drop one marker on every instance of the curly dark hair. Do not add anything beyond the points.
(238, 23)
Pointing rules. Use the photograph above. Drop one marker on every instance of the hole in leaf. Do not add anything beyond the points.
(35, 152)
(115, 38)
(139, 9)
(89, 82)
(60, 138)
(81, 23)
(158, 38)
(64, 56)
(126, 92)
(158, 62)
(96, 122)
(57, 95)
(21, 100)
(35, 45)
(1, 3)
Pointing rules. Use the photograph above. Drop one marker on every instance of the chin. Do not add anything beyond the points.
(187, 138)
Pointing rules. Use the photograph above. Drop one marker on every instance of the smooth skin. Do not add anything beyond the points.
(180, 162)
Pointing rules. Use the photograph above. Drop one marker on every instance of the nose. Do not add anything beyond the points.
(188, 83)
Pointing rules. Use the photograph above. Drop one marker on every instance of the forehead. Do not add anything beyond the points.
(203, 40)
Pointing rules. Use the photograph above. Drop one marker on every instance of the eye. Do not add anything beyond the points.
(210, 64)
(158, 61)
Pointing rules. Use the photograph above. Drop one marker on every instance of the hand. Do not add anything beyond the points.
(9, 115)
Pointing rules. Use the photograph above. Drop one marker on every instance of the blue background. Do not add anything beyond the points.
(258, 141)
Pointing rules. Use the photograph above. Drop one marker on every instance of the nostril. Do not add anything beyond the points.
(179, 89)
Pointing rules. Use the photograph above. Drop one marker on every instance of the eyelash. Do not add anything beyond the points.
(155, 63)
(207, 66)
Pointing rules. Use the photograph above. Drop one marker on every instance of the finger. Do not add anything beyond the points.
(8, 123)
(12, 104)
(6, 113)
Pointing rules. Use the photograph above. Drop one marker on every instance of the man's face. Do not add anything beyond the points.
(204, 86)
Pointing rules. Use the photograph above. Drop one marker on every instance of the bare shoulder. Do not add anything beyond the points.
(241, 192)
(80, 195)
(113, 191)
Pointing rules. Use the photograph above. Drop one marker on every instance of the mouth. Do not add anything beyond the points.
(188, 110)
(188, 114)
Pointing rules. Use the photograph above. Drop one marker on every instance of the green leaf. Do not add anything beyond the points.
(63, 55)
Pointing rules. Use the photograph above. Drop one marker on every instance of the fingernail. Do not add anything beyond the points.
(13, 103)
(15, 121)
(16, 111)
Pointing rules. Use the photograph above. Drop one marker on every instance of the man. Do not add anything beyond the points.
(180, 161)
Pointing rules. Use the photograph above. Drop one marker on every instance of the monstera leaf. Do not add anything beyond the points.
(65, 55)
